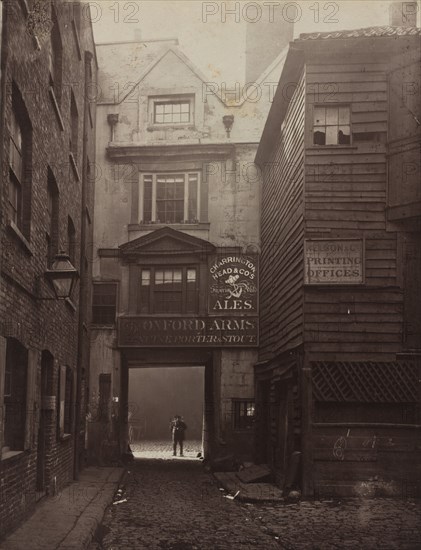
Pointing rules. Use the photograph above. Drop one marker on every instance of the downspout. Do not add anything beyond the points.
(84, 280)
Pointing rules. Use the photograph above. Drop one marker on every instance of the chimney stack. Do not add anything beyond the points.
(403, 14)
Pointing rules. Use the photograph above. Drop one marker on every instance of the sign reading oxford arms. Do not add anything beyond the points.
(231, 321)
(189, 332)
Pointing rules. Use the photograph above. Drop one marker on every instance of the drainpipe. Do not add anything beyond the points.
(84, 279)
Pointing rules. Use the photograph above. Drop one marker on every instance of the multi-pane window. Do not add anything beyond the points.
(331, 125)
(243, 414)
(15, 382)
(104, 303)
(168, 290)
(172, 112)
(169, 198)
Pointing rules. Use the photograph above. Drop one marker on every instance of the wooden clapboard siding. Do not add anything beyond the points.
(345, 196)
(385, 457)
(281, 267)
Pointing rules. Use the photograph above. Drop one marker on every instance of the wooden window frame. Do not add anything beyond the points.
(337, 106)
(148, 204)
(147, 302)
(97, 284)
(53, 205)
(171, 100)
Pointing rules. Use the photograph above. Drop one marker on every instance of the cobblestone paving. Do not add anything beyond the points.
(174, 505)
(163, 449)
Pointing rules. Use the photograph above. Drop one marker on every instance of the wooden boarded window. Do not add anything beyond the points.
(331, 125)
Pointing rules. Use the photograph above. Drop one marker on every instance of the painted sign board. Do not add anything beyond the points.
(333, 261)
(233, 285)
(187, 331)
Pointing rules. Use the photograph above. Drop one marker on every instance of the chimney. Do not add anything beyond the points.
(265, 39)
(403, 14)
(137, 35)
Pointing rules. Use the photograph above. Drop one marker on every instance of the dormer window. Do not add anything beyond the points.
(172, 110)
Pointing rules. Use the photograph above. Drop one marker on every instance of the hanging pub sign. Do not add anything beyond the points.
(333, 261)
(233, 284)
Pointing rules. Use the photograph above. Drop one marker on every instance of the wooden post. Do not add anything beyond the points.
(307, 433)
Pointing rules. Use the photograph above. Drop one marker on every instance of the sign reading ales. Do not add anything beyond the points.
(233, 284)
(183, 331)
(333, 261)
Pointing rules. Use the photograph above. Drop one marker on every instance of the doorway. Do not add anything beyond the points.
(155, 395)
(45, 421)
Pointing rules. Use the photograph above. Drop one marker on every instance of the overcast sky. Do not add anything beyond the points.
(214, 40)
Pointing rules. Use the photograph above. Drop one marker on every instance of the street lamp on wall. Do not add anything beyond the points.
(63, 276)
(228, 121)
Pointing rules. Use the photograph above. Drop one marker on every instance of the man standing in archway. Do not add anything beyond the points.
(178, 427)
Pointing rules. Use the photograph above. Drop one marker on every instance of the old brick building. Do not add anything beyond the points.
(47, 133)
(338, 379)
(176, 236)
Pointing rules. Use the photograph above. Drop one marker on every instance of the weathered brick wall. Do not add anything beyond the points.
(43, 325)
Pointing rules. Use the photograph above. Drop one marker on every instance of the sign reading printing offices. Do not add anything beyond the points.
(333, 261)
(187, 331)
(233, 284)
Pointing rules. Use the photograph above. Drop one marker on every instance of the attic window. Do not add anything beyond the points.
(172, 110)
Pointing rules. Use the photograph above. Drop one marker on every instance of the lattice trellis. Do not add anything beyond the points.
(365, 382)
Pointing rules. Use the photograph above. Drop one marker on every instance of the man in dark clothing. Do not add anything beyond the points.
(178, 427)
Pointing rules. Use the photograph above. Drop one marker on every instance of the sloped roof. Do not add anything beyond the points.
(368, 32)
(122, 63)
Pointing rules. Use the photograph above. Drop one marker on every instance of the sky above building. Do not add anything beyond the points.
(212, 34)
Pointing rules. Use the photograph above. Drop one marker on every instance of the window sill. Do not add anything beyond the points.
(179, 226)
(22, 240)
(10, 454)
(65, 437)
(323, 147)
(56, 108)
(97, 326)
(74, 166)
(175, 125)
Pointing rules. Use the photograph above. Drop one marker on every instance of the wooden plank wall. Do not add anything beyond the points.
(281, 268)
(345, 196)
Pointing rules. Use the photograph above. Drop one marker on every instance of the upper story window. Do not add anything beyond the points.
(20, 151)
(104, 303)
(332, 125)
(71, 240)
(172, 110)
(168, 290)
(170, 198)
(52, 217)
(56, 58)
(74, 127)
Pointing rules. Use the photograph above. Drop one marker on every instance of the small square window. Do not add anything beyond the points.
(243, 414)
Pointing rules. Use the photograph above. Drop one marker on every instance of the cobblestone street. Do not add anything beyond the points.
(173, 505)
